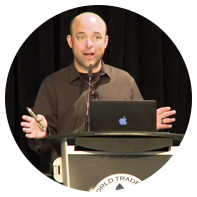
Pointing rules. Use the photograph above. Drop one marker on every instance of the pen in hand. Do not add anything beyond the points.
(34, 116)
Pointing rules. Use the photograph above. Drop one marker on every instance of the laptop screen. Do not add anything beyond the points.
(108, 115)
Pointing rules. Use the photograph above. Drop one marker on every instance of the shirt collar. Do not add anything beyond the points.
(73, 73)
(105, 70)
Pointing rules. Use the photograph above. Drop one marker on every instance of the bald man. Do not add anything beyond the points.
(62, 97)
(88, 40)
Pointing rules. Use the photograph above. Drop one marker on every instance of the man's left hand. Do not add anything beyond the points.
(163, 120)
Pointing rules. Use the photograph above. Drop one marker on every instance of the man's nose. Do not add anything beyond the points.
(89, 42)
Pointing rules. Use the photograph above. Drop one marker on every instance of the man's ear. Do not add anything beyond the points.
(69, 40)
(106, 40)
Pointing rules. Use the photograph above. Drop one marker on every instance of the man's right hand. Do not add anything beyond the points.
(32, 128)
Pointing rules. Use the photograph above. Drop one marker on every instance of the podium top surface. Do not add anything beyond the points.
(70, 137)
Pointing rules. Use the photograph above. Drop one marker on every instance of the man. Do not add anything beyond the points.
(62, 98)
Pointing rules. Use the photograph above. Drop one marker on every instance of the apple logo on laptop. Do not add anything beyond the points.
(123, 121)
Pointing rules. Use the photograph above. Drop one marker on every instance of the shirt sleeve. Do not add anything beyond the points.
(135, 92)
(45, 104)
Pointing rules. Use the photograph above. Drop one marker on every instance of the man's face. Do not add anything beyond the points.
(88, 41)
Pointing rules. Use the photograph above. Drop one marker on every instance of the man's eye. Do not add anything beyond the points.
(97, 37)
(80, 37)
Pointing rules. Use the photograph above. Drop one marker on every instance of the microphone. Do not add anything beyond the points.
(90, 72)
(87, 123)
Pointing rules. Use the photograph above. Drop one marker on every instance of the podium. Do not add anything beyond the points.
(94, 161)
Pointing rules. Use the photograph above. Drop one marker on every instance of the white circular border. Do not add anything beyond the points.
(142, 13)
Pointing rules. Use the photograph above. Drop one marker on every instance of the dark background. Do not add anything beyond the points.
(135, 45)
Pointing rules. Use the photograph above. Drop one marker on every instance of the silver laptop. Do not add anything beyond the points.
(108, 115)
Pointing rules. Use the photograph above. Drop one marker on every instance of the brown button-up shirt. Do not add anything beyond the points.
(62, 97)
